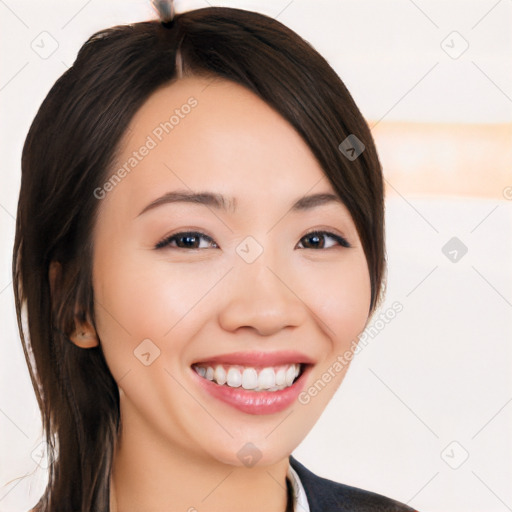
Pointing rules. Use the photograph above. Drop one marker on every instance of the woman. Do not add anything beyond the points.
(199, 237)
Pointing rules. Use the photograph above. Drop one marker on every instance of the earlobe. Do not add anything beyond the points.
(85, 336)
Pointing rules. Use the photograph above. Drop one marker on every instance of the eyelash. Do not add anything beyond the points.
(166, 241)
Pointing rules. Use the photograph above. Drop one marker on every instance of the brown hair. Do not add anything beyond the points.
(69, 152)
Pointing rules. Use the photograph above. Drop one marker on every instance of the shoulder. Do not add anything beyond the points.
(329, 496)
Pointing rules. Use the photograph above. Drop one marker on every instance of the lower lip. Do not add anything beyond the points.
(255, 402)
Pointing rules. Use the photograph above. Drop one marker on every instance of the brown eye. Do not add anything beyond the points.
(316, 240)
(185, 240)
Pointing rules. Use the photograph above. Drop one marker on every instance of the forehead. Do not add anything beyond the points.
(215, 135)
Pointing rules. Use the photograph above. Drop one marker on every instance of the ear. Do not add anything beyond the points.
(84, 334)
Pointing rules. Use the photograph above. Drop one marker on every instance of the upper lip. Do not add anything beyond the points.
(258, 358)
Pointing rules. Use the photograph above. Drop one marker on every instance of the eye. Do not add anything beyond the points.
(316, 240)
(185, 240)
(192, 240)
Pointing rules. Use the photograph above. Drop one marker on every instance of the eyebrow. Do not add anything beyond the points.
(220, 202)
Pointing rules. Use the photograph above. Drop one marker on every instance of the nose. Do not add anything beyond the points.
(260, 296)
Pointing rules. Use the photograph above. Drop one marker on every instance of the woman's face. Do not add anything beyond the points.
(240, 287)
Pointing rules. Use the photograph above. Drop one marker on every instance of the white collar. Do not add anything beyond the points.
(300, 500)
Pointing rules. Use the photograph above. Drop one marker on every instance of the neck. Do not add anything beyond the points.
(150, 474)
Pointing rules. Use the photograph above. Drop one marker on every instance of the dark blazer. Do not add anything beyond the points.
(327, 496)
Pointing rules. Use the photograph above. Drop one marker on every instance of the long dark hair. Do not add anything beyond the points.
(69, 152)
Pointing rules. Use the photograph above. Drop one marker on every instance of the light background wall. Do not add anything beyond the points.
(431, 387)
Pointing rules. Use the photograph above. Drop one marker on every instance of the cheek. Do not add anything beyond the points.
(341, 303)
(132, 303)
(342, 299)
(141, 297)
(144, 297)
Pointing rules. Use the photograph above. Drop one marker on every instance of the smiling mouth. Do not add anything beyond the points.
(250, 378)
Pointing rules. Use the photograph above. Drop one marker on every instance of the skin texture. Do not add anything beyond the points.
(178, 446)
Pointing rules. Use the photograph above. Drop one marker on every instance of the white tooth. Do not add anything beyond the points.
(234, 378)
(267, 378)
(280, 377)
(250, 378)
(220, 375)
(290, 375)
